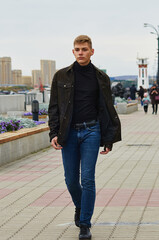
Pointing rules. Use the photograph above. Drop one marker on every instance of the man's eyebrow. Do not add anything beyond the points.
(77, 48)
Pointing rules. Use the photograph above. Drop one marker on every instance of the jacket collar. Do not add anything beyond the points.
(70, 68)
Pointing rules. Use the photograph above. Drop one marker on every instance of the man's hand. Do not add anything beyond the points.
(55, 144)
(106, 150)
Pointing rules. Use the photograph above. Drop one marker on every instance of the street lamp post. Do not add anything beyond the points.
(156, 32)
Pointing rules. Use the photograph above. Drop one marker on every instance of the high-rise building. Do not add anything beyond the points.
(17, 76)
(36, 77)
(48, 69)
(27, 80)
(5, 70)
(0, 70)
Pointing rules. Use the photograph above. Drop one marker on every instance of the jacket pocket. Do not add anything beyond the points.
(64, 91)
(64, 85)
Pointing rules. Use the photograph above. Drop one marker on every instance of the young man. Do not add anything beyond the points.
(81, 119)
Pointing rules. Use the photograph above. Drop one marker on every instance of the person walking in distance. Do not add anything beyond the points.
(146, 102)
(153, 94)
(81, 119)
(141, 94)
(133, 92)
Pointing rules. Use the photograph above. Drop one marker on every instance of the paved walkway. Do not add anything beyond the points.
(34, 202)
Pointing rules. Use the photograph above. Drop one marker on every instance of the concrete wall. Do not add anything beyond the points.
(46, 96)
(11, 103)
(16, 102)
(124, 108)
(16, 149)
(29, 97)
(39, 97)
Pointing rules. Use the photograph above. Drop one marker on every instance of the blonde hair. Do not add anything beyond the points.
(83, 39)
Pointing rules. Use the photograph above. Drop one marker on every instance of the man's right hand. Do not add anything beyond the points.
(55, 144)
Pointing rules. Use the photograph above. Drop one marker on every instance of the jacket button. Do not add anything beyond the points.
(64, 117)
(69, 101)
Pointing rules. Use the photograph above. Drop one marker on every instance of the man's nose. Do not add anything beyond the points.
(80, 51)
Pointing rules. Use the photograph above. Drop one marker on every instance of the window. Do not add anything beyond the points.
(143, 72)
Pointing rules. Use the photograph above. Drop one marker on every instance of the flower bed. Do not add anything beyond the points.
(40, 113)
(43, 113)
(12, 124)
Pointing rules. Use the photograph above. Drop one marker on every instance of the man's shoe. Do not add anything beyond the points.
(77, 216)
(84, 233)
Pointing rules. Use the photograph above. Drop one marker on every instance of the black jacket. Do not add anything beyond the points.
(61, 107)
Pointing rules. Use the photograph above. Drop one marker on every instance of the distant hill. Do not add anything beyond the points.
(124, 77)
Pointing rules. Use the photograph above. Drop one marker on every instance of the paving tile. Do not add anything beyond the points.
(35, 204)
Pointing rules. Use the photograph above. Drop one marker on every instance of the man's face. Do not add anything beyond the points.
(82, 53)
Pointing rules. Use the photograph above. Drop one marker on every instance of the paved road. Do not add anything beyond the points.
(34, 202)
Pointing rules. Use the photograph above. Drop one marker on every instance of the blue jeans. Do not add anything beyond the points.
(82, 149)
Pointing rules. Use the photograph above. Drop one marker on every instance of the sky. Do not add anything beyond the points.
(31, 30)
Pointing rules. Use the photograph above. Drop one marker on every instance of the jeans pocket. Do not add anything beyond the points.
(95, 128)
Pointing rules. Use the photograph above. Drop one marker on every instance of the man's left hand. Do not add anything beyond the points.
(105, 151)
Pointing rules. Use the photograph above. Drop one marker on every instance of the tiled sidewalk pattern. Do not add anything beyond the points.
(35, 204)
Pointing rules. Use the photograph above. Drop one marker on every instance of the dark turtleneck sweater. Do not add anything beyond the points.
(86, 91)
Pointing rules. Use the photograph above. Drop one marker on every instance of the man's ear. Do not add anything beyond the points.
(92, 50)
(73, 51)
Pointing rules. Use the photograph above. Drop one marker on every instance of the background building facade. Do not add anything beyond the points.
(42, 77)
(17, 76)
(5, 70)
(27, 80)
(48, 69)
(36, 77)
(0, 70)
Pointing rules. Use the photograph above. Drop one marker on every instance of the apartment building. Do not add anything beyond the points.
(27, 80)
(36, 77)
(5, 70)
(48, 69)
(17, 76)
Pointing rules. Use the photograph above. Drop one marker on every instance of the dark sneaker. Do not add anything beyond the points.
(77, 216)
(84, 233)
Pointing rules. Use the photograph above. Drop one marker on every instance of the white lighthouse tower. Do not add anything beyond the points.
(142, 74)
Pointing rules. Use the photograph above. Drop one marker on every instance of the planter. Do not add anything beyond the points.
(124, 108)
(18, 144)
(40, 117)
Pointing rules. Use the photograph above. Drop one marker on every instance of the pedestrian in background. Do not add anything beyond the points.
(146, 101)
(133, 92)
(154, 95)
(81, 119)
(141, 94)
